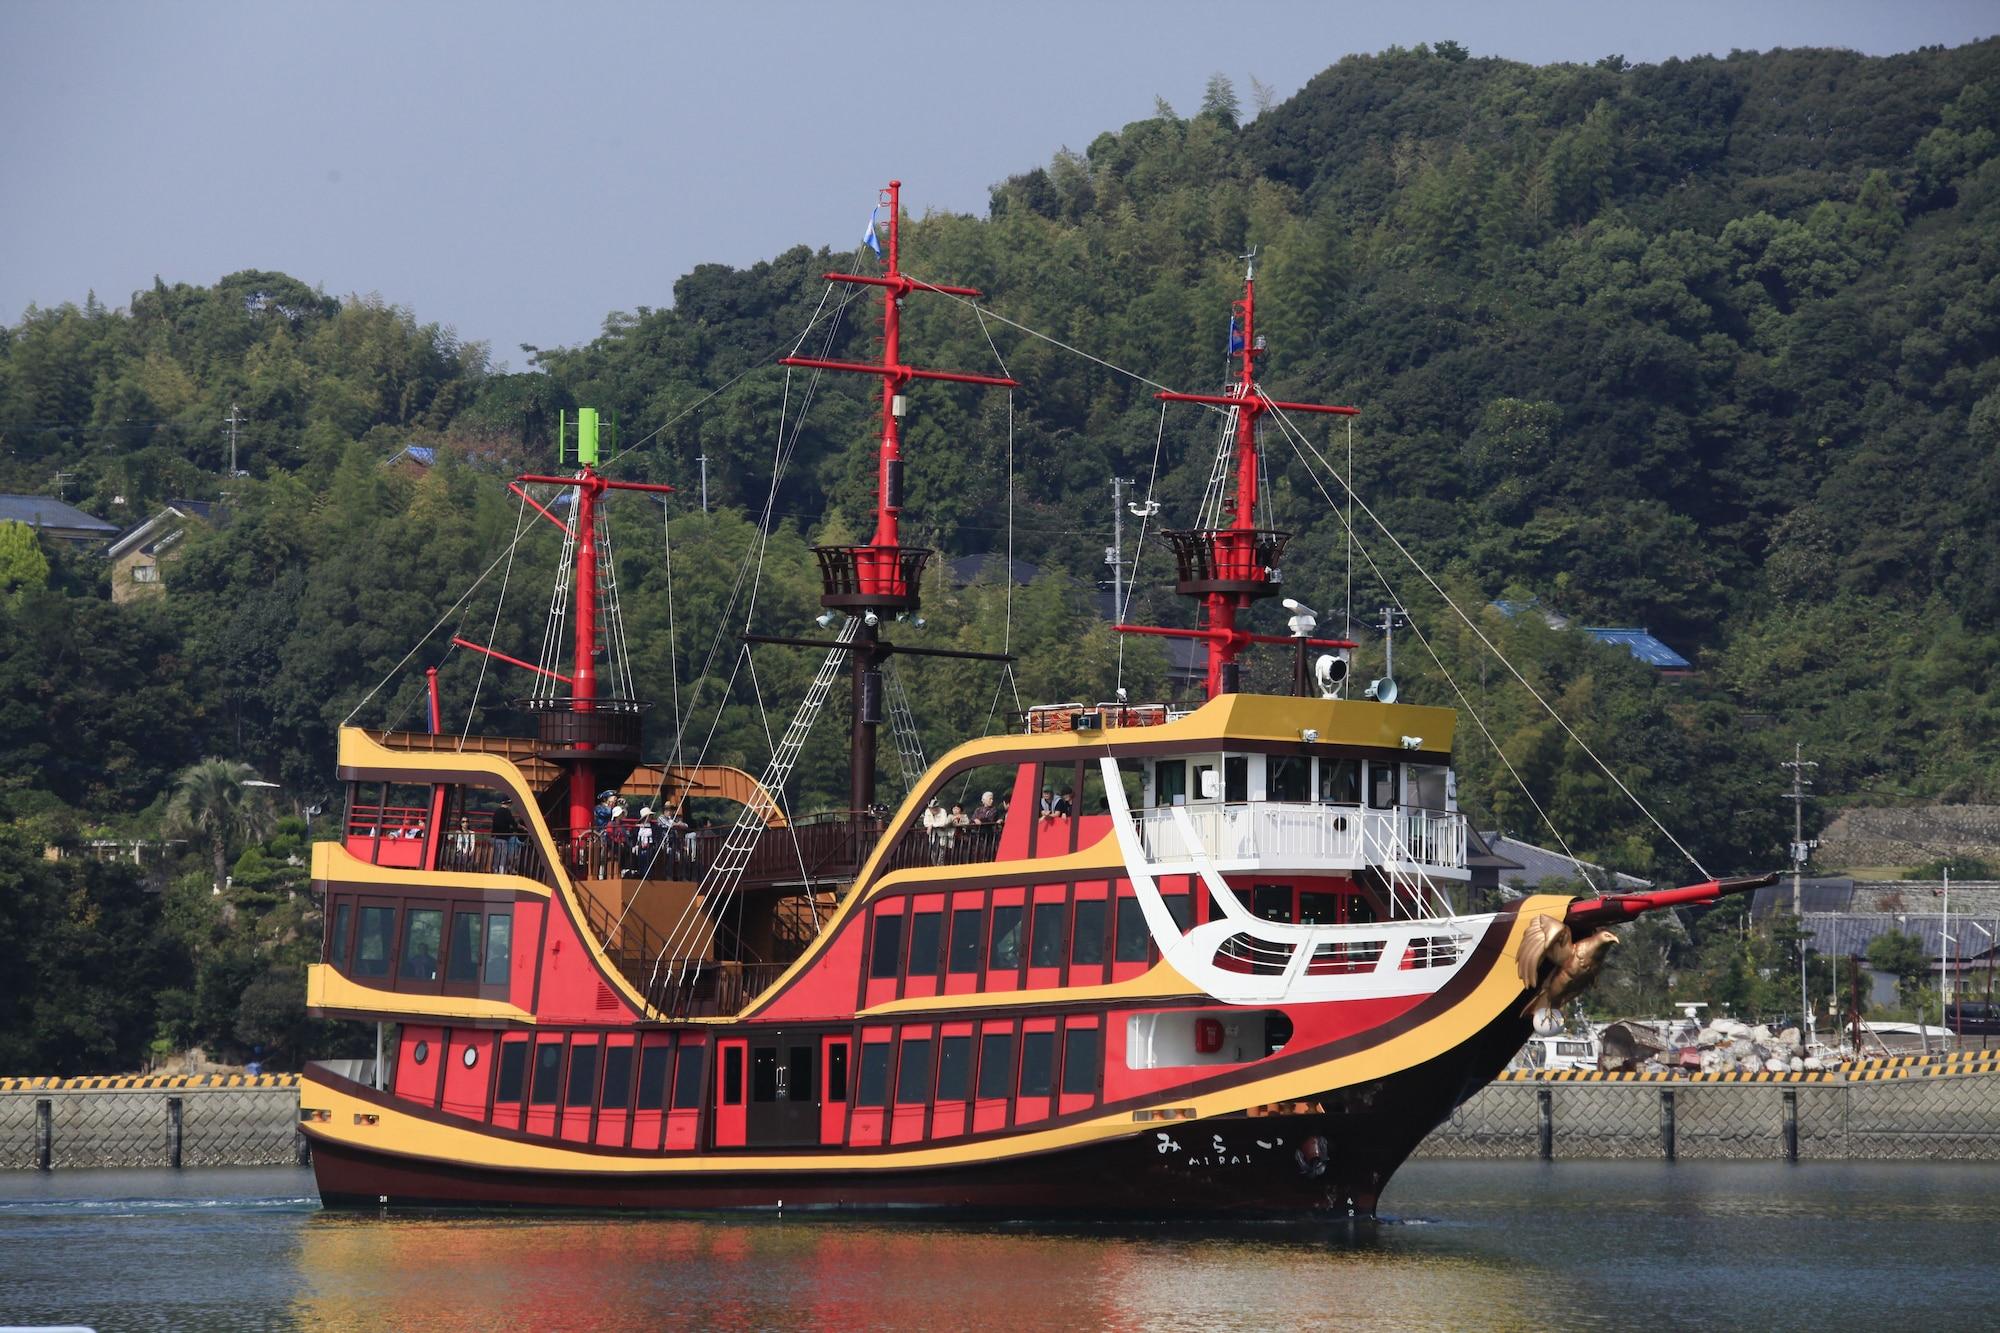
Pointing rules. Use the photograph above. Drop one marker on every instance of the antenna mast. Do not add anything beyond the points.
(1228, 568)
(883, 577)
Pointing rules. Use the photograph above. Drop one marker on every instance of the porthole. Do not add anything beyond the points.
(471, 1056)
(423, 1052)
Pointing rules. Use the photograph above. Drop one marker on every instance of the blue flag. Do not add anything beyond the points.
(869, 238)
(1235, 338)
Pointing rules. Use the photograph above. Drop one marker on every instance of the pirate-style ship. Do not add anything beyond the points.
(1215, 971)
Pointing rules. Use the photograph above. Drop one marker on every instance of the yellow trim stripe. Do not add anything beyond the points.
(326, 988)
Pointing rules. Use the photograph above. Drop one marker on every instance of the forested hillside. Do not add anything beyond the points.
(1710, 346)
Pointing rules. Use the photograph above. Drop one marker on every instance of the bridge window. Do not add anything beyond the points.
(1170, 782)
(1427, 786)
(373, 941)
(996, 1064)
(1005, 953)
(1288, 778)
(1236, 777)
(1381, 785)
(1340, 781)
(885, 952)
(965, 927)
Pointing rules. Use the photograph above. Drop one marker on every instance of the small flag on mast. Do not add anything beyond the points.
(1235, 337)
(868, 237)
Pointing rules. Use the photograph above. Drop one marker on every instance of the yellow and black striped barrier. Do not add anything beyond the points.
(1858, 1071)
(147, 1082)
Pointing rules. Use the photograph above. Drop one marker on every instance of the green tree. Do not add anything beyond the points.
(1904, 957)
(22, 564)
(214, 808)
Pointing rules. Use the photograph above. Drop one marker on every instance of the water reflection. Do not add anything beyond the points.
(590, 1274)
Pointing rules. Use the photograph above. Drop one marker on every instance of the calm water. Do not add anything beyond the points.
(1486, 1245)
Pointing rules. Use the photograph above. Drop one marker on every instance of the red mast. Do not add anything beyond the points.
(1229, 568)
(883, 577)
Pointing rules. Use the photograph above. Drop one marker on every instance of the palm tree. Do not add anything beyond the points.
(213, 806)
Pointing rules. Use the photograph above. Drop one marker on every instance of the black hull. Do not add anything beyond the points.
(1331, 1163)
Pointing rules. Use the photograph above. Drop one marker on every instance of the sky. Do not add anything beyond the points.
(517, 171)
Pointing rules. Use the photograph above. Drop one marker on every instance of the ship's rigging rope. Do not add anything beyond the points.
(1300, 440)
(1139, 549)
(492, 632)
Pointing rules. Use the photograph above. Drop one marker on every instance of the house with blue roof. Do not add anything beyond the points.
(1642, 645)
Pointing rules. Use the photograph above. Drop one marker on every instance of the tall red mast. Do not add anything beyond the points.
(1228, 568)
(884, 577)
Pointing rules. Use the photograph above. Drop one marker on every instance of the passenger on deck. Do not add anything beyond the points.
(645, 840)
(506, 841)
(986, 812)
(938, 824)
(1048, 806)
(1065, 805)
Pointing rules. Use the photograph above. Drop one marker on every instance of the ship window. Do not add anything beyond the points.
(1046, 949)
(499, 941)
(1005, 953)
(732, 1076)
(954, 1068)
(582, 1075)
(1170, 782)
(1381, 785)
(965, 925)
(687, 1079)
(1359, 909)
(653, 1062)
(1288, 778)
(913, 1078)
(924, 932)
(1180, 906)
(1272, 902)
(996, 1064)
(343, 918)
(1080, 1061)
(1205, 786)
(1427, 786)
(423, 933)
(1236, 777)
(1340, 781)
(371, 942)
(1133, 937)
(1087, 946)
(1038, 1051)
(764, 1074)
(799, 1079)
(548, 1066)
(513, 1071)
(874, 1089)
(463, 961)
(885, 955)
(617, 1077)
(1318, 909)
(836, 1072)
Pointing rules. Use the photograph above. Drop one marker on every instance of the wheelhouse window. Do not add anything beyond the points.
(373, 940)
(1288, 778)
(1427, 786)
(1236, 778)
(1340, 781)
(1170, 783)
(1381, 786)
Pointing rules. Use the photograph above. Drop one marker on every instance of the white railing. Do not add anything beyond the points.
(1288, 835)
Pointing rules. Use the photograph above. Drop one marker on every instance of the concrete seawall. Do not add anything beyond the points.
(1945, 1109)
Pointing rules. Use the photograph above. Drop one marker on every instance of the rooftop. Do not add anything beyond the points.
(45, 511)
(1642, 645)
(1536, 864)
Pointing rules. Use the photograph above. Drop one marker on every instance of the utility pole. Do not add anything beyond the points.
(703, 460)
(1114, 554)
(1801, 850)
(233, 420)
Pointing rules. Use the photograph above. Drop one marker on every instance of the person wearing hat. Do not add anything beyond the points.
(939, 825)
(642, 841)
